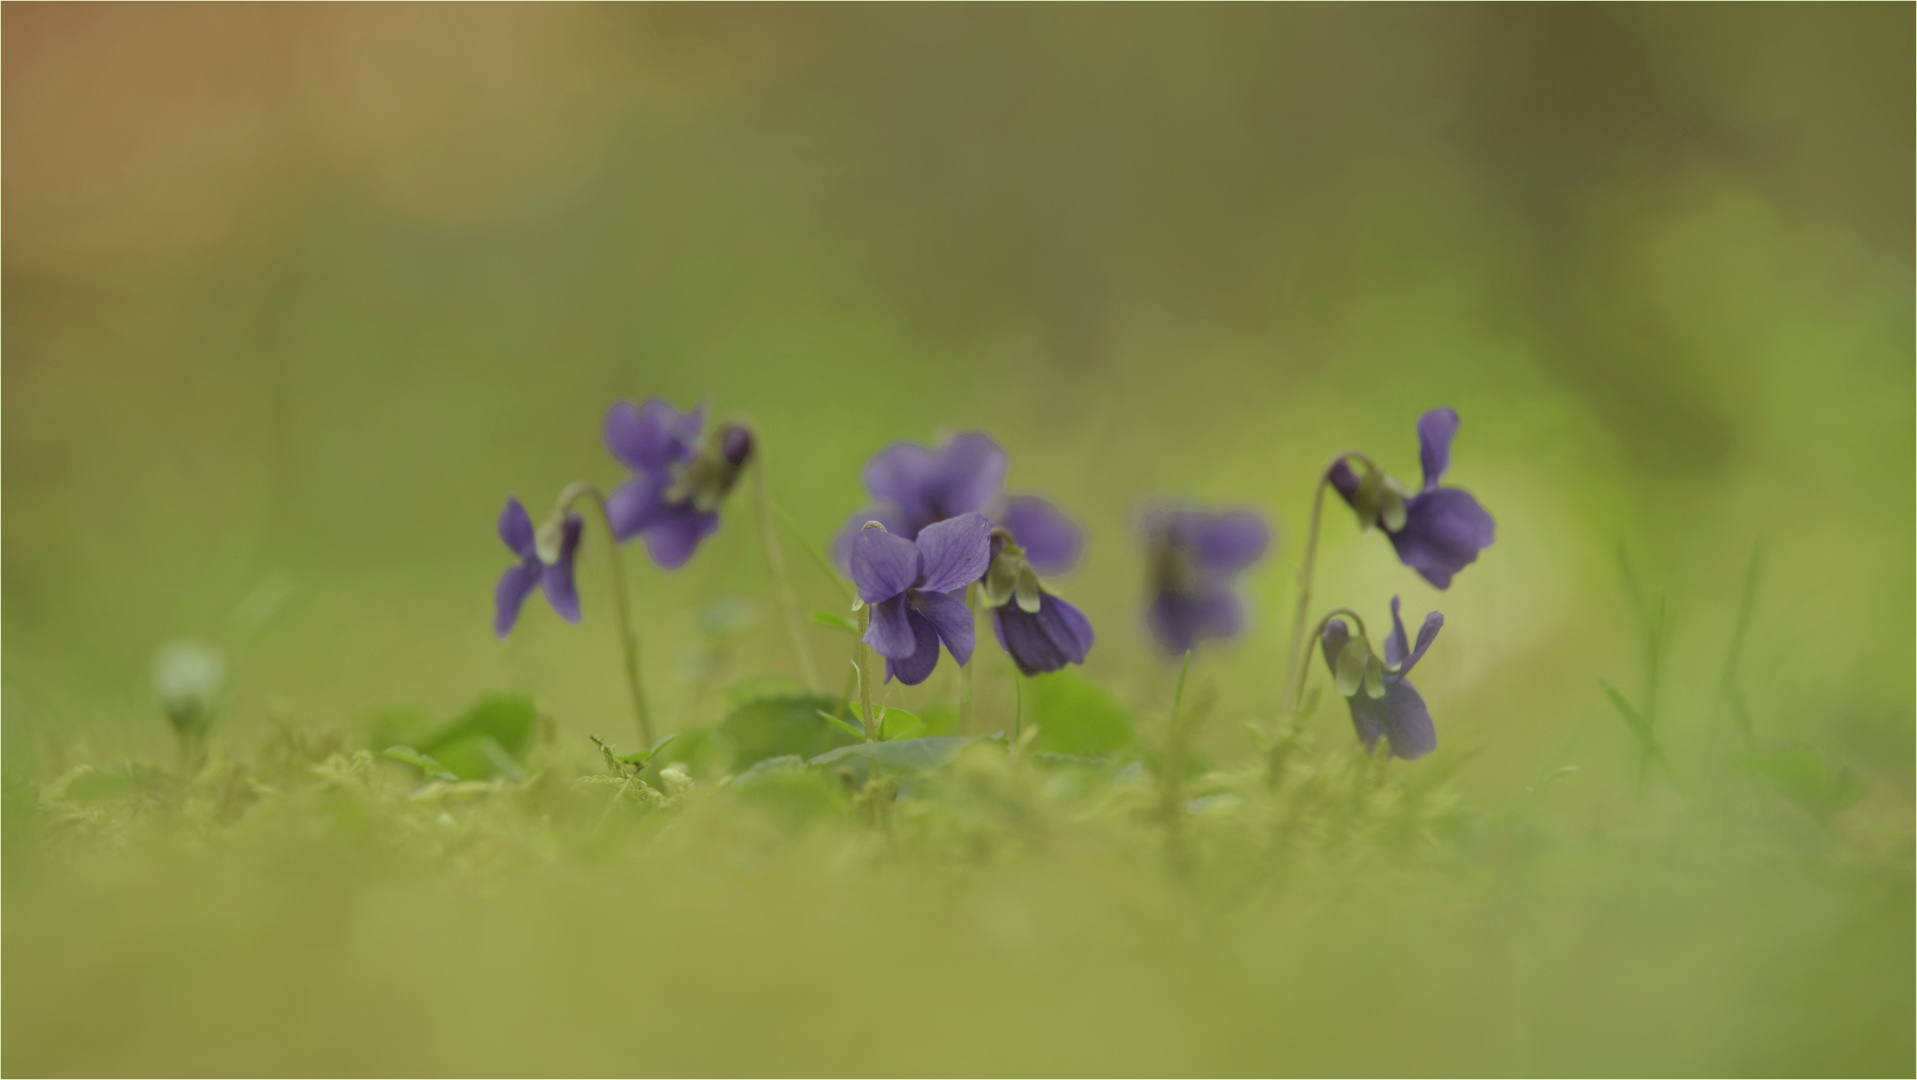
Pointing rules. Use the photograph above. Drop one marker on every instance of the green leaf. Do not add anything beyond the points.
(1631, 719)
(899, 724)
(788, 724)
(927, 753)
(836, 621)
(843, 725)
(1802, 778)
(507, 720)
(433, 769)
(640, 757)
(1352, 661)
(1075, 716)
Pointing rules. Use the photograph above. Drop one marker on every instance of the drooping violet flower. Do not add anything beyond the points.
(677, 484)
(1437, 531)
(1383, 702)
(916, 591)
(1193, 557)
(1040, 631)
(554, 578)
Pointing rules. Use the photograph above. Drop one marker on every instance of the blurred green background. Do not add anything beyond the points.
(296, 296)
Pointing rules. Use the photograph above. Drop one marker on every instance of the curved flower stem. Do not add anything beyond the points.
(616, 575)
(864, 664)
(775, 558)
(1300, 643)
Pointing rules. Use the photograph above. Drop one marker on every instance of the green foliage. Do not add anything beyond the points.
(927, 753)
(784, 725)
(1804, 779)
(1075, 716)
(488, 739)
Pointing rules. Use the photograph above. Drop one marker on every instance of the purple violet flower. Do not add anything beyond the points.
(913, 486)
(1040, 631)
(1193, 558)
(1439, 530)
(916, 591)
(677, 484)
(554, 578)
(1395, 712)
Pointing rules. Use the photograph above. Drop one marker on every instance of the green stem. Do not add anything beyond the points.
(1295, 662)
(1018, 705)
(622, 612)
(775, 558)
(1174, 777)
(865, 677)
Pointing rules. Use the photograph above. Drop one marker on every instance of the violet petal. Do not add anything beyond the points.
(883, 565)
(950, 617)
(1052, 541)
(954, 553)
(914, 669)
(1436, 429)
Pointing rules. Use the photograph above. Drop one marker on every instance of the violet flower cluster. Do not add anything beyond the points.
(671, 502)
(940, 538)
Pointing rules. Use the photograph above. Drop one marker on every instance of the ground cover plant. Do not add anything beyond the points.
(806, 541)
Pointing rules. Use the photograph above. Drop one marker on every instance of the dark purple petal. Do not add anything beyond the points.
(950, 617)
(883, 565)
(513, 588)
(1228, 542)
(1400, 717)
(1344, 478)
(736, 444)
(677, 532)
(1180, 621)
(516, 529)
(1052, 541)
(651, 437)
(890, 631)
(1435, 432)
(1397, 646)
(1443, 532)
(1056, 635)
(1427, 634)
(637, 505)
(1334, 637)
(556, 579)
(953, 553)
(914, 669)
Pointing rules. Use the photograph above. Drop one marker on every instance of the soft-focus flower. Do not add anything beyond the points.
(1437, 531)
(677, 484)
(1040, 631)
(913, 486)
(915, 590)
(554, 578)
(1193, 557)
(188, 677)
(1383, 704)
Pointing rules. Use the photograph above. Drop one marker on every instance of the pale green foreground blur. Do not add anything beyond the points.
(295, 297)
